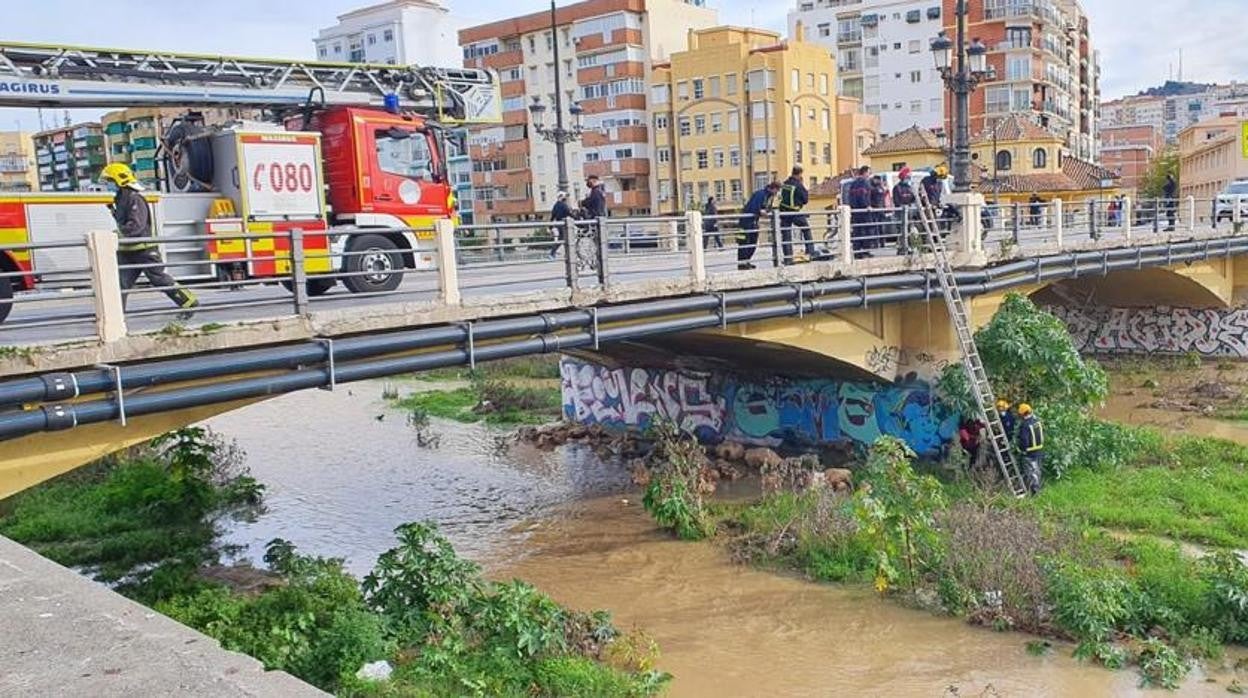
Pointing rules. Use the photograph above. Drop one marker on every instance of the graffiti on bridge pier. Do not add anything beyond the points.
(726, 407)
(1208, 332)
(892, 360)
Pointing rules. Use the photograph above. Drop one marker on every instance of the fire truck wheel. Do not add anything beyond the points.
(6, 293)
(374, 264)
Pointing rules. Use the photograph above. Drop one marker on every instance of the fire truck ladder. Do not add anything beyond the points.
(981, 388)
(43, 75)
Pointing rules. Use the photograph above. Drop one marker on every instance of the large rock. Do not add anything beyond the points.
(375, 671)
(838, 478)
(730, 451)
(762, 458)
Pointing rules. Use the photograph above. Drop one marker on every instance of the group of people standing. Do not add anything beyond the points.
(1024, 430)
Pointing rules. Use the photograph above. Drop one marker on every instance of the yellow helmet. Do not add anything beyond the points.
(1003, 405)
(1024, 409)
(118, 173)
(942, 171)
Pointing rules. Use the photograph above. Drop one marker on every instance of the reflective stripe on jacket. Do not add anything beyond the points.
(1030, 436)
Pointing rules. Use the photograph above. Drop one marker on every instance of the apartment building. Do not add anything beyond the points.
(883, 56)
(17, 162)
(70, 157)
(737, 110)
(420, 32)
(1212, 154)
(606, 52)
(133, 135)
(1176, 106)
(1045, 66)
(1136, 110)
(1130, 151)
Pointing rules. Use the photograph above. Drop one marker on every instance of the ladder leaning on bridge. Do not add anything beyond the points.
(980, 386)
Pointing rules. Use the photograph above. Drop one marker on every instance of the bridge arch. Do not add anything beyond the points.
(1206, 284)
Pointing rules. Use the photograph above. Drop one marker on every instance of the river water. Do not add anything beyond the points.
(342, 471)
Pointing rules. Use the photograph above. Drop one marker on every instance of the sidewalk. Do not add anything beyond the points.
(63, 635)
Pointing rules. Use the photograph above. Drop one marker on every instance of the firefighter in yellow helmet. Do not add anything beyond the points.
(1031, 445)
(1007, 417)
(136, 249)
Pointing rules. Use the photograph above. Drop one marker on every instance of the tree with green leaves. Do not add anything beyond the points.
(1165, 164)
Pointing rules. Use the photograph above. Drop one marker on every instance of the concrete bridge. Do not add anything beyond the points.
(625, 288)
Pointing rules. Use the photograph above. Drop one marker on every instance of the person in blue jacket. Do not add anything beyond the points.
(762, 200)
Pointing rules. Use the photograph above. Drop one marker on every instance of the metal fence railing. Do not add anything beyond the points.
(266, 274)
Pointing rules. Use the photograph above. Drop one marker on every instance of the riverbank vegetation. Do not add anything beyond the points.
(505, 393)
(147, 521)
(1103, 557)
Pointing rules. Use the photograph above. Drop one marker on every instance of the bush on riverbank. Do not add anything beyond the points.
(148, 517)
(491, 400)
(446, 630)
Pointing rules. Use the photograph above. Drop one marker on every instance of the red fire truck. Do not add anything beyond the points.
(352, 154)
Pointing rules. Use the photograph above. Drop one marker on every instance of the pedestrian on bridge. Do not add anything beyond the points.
(878, 213)
(1170, 191)
(710, 225)
(1031, 445)
(136, 249)
(859, 200)
(558, 214)
(762, 200)
(793, 198)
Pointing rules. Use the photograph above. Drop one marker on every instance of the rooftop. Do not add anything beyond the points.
(912, 139)
(1015, 127)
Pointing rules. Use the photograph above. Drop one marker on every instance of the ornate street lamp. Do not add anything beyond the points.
(558, 134)
(962, 68)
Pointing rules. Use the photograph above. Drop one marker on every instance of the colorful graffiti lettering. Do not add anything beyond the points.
(1209, 332)
(722, 407)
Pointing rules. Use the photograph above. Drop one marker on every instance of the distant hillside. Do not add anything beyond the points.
(1173, 88)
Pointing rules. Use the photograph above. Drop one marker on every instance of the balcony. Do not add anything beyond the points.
(512, 88)
(854, 36)
(636, 198)
(624, 166)
(603, 73)
(619, 37)
(620, 134)
(599, 105)
(506, 59)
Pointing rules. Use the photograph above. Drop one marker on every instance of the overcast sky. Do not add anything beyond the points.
(1139, 40)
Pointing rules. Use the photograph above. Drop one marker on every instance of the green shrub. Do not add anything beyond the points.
(1226, 596)
(422, 582)
(896, 514)
(1090, 603)
(1160, 664)
(814, 532)
(674, 495)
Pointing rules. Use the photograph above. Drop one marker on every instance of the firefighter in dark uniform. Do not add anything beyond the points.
(793, 198)
(134, 225)
(1031, 445)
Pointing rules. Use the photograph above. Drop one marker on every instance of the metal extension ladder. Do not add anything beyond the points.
(980, 386)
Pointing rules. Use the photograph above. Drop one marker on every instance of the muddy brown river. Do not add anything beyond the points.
(342, 471)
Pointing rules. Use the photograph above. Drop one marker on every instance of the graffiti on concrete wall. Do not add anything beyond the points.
(725, 407)
(892, 360)
(1209, 332)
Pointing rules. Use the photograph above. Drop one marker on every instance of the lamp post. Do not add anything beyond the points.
(558, 134)
(962, 71)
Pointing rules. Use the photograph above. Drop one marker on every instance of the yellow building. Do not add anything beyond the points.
(737, 110)
(1212, 154)
(1011, 160)
(17, 162)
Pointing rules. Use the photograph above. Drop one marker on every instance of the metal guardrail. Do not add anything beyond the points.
(285, 276)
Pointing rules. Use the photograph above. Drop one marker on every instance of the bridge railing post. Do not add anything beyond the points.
(1157, 214)
(845, 229)
(1237, 214)
(448, 269)
(601, 236)
(1093, 232)
(777, 257)
(972, 230)
(1191, 213)
(110, 316)
(298, 272)
(1059, 221)
(697, 253)
(1127, 213)
(1015, 224)
(570, 247)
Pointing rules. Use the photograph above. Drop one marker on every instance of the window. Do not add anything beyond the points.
(337, 48)
(623, 153)
(810, 114)
(717, 157)
(997, 100)
(734, 122)
(814, 154)
(916, 76)
(1018, 68)
(795, 81)
(511, 74)
(704, 191)
(591, 156)
(914, 17)
(320, 52)
(824, 29)
(797, 116)
(717, 122)
(761, 110)
(827, 153)
(387, 35)
(871, 87)
(916, 46)
(762, 145)
(372, 39)
(933, 13)
(797, 152)
(827, 120)
(1040, 158)
(682, 90)
(699, 89)
(407, 157)
(660, 94)
(686, 192)
(665, 190)
(686, 126)
(665, 155)
(734, 156)
(823, 83)
(532, 43)
(897, 46)
(712, 86)
(849, 60)
(686, 161)
(916, 106)
(720, 189)
(810, 81)
(730, 85)
(1004, 160)
(873, 57)
(703, 159)
(737, 192)
(660, 122)
(699, 124)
